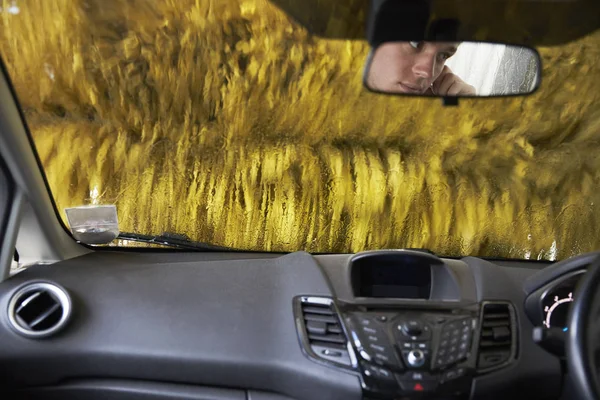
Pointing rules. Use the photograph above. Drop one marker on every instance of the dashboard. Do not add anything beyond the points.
(394, 324)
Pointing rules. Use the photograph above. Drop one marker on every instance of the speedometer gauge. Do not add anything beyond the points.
(557, 299)
(555, 314)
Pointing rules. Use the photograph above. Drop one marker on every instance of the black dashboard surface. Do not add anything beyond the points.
(225, 321)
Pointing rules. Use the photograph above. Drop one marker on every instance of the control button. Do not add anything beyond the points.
(385, 374)
(453, 374)
(375, 338)
(412, 328)
(415, 358)
(442, 352)
(449, 375)
(460, 355)
(369, 370)
(440, 362)
(377, 347)
(452, 349)
(382, 358)
(382, 318)
(363, 320)
(418, 386)
(465, 337)
(466, 329)
(466, 322)
(422, 345)
(385, 358)
(331, 353)
(451, 358)
(444, 343)
(367, 325)
(365, 355)
(355, 339)
(453, 341)
(455, 332)
(463, 346)
(369, 330)
(450, 326)
(417, 376)
(407, 345)
(445, 335)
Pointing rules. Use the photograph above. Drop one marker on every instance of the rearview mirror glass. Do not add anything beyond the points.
(452, 69)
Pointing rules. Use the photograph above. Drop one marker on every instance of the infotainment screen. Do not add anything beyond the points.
(403, 276)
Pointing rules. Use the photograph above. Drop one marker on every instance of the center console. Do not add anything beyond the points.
(414, 352)
(407, 334)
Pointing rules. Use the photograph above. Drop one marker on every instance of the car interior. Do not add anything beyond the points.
(86, 321)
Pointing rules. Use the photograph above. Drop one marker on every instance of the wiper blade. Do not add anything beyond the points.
(172, 240)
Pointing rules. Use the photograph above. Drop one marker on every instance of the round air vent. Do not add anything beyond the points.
(39, 309)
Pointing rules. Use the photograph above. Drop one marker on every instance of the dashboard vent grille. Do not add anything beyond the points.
(323, 326)
(39, 309)
(323, 335)
(497, 340)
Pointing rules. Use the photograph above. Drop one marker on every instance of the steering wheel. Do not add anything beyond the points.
(583, 338)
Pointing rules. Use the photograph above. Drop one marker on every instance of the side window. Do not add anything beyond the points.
(6, 193)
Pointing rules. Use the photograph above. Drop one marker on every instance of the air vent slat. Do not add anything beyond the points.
(490, 343)
(327, 338)
(486, 333)
(28, 300)
(334, 329)
(330, 345)
(317, 327)
(496, 339)
(500, 315)
(320, 318)
(317, 310)
(44, 316)
(492, 324)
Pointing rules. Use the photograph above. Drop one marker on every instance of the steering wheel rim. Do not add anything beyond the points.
(581, 338)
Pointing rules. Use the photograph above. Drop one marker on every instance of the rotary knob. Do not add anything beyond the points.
(412, 328)
(415, 358)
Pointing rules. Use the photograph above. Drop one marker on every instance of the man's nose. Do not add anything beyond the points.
(424, 66)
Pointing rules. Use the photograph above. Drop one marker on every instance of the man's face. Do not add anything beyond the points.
(408, 67)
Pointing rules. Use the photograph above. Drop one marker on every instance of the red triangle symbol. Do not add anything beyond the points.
(418, 387)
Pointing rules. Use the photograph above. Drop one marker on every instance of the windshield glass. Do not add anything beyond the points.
(227, 122)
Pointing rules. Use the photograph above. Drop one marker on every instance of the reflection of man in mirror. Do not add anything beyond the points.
(416, 68)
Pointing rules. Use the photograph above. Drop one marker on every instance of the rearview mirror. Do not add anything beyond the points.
(452, 69)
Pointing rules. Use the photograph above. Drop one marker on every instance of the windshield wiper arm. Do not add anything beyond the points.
(172, 240)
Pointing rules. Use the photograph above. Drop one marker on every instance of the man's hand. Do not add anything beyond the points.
(448, 84)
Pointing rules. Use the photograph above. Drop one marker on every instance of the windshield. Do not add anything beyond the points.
(227, 122)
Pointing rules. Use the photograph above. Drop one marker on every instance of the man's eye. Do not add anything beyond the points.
(444, 56)
(415, 44)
